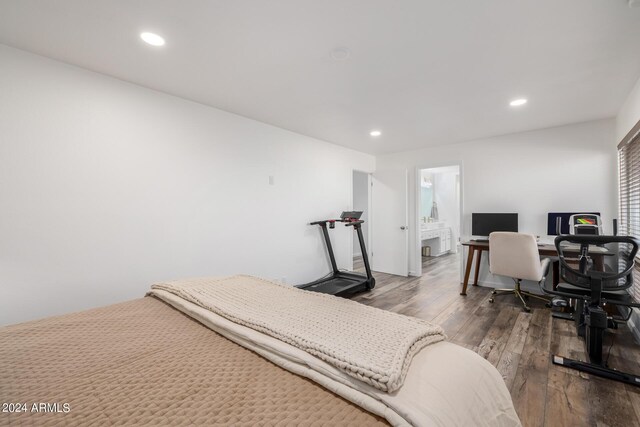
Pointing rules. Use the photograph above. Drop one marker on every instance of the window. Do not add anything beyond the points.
(629, 221)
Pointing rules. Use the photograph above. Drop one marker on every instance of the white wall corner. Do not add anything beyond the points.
(629, 113)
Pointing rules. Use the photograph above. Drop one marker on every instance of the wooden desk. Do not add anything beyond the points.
(474, 246)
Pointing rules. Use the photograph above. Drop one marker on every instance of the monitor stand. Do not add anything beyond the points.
(480, 240)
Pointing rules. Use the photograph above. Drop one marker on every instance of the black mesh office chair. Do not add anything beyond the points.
(597, 270)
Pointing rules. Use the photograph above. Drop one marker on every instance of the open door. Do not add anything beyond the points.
(390, 234)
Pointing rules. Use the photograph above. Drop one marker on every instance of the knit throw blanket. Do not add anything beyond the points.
(372, 345)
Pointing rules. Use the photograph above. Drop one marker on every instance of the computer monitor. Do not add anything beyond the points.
(483, 224)
(564, 221)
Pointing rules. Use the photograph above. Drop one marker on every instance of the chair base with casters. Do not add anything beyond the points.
(593, 290)
(515, 255)
(519, 293)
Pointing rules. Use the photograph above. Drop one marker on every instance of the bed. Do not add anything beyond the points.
(163, 360)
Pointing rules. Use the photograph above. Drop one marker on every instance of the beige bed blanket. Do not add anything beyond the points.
(446, 385)
(143, 363)
(371, 345)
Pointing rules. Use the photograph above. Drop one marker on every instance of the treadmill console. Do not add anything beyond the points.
(351, 215)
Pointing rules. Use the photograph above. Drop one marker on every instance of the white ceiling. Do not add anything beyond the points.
(425, 72)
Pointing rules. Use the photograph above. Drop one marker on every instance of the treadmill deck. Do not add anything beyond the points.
(336, 286)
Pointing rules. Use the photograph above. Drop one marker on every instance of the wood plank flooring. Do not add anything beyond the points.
(519, 345)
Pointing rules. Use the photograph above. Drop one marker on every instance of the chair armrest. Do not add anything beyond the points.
(545, 263)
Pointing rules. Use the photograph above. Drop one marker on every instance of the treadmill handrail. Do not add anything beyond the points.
(347, 221)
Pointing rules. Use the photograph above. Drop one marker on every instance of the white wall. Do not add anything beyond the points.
(106, 187)
(564, 168)
(626, 119)
(361, 203)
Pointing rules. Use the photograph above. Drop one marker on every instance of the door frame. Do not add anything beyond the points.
(369, 215)
(417, 252)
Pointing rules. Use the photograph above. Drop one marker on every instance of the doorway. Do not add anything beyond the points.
(439, 213)
(362, 202)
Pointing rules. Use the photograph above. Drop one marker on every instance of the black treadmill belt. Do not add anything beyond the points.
(334, 286)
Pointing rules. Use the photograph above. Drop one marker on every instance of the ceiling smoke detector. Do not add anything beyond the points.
(340, 53)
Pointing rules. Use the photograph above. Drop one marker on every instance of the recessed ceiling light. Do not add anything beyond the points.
(375, 133)
(518, 102)
(152, 39)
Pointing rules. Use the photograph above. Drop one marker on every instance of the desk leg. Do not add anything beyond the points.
(556, 273)
(475, 280)
(598, 262)
(467, 271)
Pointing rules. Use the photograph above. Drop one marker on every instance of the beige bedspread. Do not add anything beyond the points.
(446, 385)
(369, 344)
(144, 363)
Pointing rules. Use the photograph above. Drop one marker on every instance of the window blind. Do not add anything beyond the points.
(629, 219)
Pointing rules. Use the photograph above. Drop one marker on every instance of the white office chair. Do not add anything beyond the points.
(516, 255)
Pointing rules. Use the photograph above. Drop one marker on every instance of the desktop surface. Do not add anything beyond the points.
(545, 248)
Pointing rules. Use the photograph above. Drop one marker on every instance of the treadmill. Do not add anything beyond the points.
(343, 283)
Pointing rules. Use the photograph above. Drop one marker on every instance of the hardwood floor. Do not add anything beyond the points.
(519, 345)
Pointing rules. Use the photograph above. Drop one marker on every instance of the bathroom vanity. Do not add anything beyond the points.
(437, 236)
